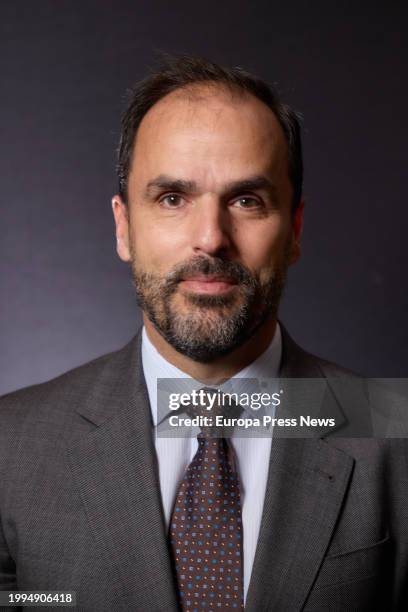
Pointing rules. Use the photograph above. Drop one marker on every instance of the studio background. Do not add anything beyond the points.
(65, 296)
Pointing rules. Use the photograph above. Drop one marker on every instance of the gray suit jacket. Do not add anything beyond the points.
(80, 504)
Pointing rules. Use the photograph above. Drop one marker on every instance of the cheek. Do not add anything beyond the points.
(154, 247)
(265, 247)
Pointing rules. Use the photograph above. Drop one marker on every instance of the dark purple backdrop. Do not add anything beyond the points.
(66, 298)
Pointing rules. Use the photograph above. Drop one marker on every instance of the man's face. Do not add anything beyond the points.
(209, 231)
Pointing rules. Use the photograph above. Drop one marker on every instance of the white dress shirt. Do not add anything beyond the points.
(252, 454)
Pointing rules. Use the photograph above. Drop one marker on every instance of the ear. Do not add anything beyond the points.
(297, 227)
(121, 216)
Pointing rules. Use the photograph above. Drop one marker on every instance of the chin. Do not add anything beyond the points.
(207, 336)
(203, 352)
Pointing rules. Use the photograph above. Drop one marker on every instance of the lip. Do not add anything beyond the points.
(214, 285)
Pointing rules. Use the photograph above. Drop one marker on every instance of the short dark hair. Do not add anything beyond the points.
(182, 71)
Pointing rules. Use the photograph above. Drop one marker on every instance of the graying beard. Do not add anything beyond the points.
(223, 333)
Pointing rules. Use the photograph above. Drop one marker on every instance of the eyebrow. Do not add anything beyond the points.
(163, 182)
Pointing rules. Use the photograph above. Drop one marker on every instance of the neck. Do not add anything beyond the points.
(221, 368)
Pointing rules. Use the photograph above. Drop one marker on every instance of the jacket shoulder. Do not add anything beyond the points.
(330, 369)
(299, 363)
(55, 399)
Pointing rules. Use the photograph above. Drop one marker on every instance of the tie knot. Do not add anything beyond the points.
(208, 401)
(215, 407)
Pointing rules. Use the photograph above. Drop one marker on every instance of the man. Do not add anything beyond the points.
(209, 216)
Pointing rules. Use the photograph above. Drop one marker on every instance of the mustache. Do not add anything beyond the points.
(232, 270)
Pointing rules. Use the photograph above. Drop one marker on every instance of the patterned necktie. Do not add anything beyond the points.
(206, 530)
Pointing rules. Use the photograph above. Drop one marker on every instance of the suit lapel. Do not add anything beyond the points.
(306, 486)
(114, 466)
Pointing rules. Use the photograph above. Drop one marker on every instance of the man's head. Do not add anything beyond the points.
(209, 206)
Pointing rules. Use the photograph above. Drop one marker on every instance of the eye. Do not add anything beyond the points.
(171, 200)
(247, 202)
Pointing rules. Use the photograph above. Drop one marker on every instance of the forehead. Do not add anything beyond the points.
(211, 134)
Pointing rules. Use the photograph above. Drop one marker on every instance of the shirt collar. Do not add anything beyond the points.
(156, 366)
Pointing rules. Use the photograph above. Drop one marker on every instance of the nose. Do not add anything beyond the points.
(210, 231)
